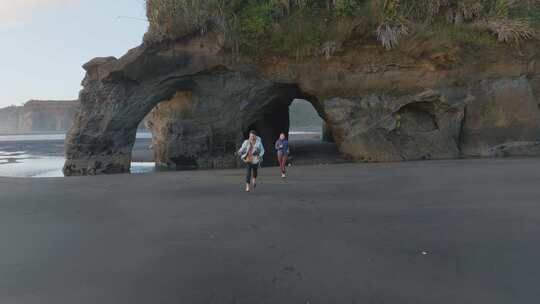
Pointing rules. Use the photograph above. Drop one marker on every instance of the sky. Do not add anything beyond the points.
(44, 43)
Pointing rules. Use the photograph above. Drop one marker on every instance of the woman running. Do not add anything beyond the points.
(251, 153)
(282, 149)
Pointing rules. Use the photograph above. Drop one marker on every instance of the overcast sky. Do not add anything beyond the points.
(44, 43)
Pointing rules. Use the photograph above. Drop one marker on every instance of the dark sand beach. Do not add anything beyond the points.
(418, 232)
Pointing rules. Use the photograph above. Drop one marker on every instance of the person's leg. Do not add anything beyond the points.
(284, 165)
(248, 176)
(280, 161)
(255, 172)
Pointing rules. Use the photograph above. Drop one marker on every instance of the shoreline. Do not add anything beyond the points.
(19, 152)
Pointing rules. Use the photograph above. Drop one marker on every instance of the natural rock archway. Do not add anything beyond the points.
(201, 129)
(203, 109)
(204, 100)
(190, 134)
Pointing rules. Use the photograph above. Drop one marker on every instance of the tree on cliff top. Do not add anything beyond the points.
(315, 27)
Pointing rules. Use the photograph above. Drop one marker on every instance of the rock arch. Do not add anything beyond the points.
(202, 129)
(198, 99)
(206, 99)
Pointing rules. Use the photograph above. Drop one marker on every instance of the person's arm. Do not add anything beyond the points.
(261, 153)
(277, 144)
(243, 149)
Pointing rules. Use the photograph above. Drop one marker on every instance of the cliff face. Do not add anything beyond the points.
(377, 105)
(39, 116)
(9, 119)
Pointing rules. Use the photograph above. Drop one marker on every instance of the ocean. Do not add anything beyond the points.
(42, 155)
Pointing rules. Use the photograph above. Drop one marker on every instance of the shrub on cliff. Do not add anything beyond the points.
(323, 27)
(177, 18)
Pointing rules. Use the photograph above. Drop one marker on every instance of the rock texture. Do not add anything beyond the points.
(381, 128)
(377, 105)
(39, 116)
(514, 149)
(502, 110)
(202, 129)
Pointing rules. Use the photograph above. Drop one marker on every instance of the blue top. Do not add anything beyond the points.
(282, 146)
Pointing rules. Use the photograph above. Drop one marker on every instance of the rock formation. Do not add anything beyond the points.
(381, 128)
(39, 116)
(377, 105)
(9, 119)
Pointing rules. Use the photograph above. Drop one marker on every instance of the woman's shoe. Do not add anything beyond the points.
(247, 189)
(283, 175)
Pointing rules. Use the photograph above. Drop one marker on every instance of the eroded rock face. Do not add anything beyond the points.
(202, 102)
(514, 149)
(382, 128)
(207, 105)
(503, 110)
(202, 128)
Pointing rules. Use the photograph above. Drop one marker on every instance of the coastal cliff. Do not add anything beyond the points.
(39, 116)
(425, 99)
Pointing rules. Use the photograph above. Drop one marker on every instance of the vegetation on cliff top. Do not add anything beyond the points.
(323, 27)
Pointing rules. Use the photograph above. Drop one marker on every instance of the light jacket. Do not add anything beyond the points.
(258, 150)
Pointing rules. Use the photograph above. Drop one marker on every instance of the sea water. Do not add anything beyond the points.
(34, 162)
(51, 137)
(27, 165)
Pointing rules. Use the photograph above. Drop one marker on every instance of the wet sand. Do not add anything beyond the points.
(418, 232)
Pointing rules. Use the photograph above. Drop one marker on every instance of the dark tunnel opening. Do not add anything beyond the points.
(309, 138)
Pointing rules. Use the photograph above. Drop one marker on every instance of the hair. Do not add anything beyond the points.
(253, 132)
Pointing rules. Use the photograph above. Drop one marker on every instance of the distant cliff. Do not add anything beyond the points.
(39, 116)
